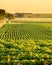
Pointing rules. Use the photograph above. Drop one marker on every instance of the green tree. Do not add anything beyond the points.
(19, 15)
(2, 13)
(9, 16)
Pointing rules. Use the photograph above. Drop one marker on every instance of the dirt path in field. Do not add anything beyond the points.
(2, 22)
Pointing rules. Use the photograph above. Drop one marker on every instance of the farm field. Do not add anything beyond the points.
(34, 19)
(26, 44)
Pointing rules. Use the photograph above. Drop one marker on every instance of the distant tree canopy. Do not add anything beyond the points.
(2, 13)
(9, 16)
(19, 15)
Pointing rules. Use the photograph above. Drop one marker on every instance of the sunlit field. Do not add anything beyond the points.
(34, 19)
(27, 43)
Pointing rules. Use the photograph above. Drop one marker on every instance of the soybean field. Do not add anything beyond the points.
(26, 44)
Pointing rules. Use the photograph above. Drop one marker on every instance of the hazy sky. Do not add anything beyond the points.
(26, 5)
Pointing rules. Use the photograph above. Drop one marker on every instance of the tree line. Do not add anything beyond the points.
(4, 14)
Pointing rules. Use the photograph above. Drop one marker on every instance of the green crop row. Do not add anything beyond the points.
(25, 31)
(26, 44)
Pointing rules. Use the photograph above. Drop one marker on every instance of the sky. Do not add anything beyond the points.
(27, 6)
